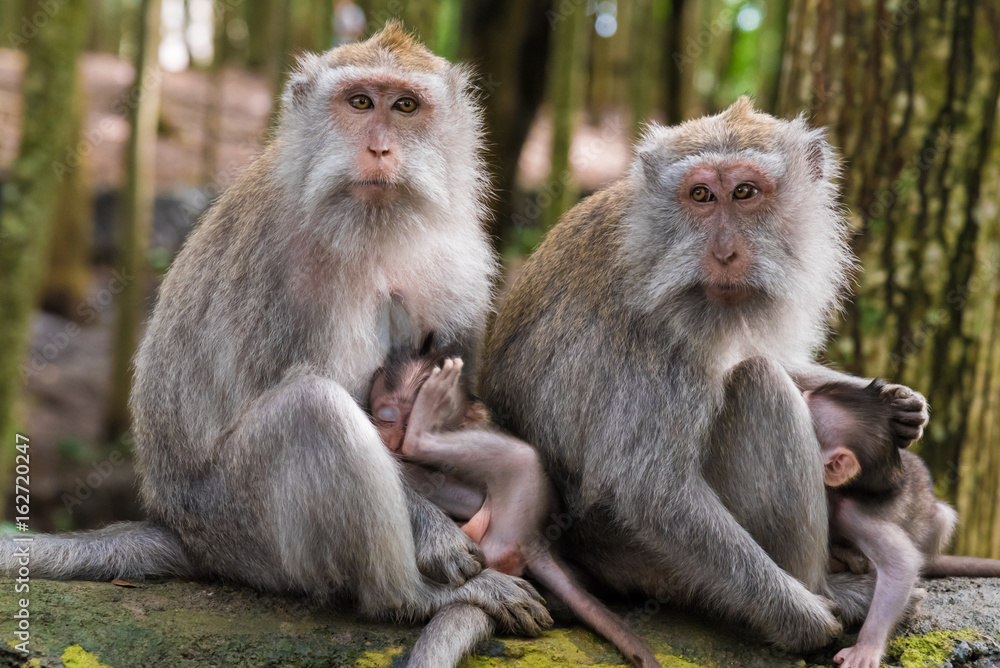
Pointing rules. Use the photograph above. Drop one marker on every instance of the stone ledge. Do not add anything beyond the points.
(179, 624)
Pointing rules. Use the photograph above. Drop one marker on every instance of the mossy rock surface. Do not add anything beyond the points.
(180, 624)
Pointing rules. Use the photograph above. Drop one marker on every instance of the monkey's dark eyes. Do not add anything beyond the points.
(745, 191)
(388, 414)
(702, 194)
(361, 102)
(406, 104)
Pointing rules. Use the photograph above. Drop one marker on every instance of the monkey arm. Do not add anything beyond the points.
(444, 553)
(897, 562)
(810, 376)
(906, 409)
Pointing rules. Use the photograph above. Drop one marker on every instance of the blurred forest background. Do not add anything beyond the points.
(104, 173)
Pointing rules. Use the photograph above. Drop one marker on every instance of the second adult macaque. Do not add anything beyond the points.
(492, 482)
(883, 511)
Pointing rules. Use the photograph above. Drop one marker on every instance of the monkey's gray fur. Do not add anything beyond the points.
(673, 425)
(257, 461)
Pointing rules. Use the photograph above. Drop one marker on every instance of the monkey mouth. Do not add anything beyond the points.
(377, 190)
(375, 183)
(728, 293)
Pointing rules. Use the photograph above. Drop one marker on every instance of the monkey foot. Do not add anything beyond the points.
(909, 412)
(438, 400)
(859, 656)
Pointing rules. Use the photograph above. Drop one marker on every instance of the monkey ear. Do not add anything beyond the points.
(818, 155)
(302, 79)
(651, 151)
(840, 467)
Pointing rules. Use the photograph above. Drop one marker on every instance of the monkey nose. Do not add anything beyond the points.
(378, 151)
(724, 255)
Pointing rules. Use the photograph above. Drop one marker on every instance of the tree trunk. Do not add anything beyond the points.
(67, 278)
(567, 78)
(509, 44)
(910, 94)
(135, 220)
(276, 69)
(321, 12)
(647, 26)
(32, 190)
(10, 21)
(257, 14)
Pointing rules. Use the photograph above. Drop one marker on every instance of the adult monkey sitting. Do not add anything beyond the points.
(359, 227)
(654, 350)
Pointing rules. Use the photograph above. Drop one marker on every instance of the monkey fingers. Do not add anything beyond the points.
(451, 560)
(515, 605)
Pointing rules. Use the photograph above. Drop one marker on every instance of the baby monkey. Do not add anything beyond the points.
(492, 482)
(883, 511)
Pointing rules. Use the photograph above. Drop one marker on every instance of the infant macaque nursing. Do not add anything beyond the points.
(883, 512)
(490, 481)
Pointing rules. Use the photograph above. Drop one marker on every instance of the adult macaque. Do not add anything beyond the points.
(883, 512)
(654, 350)
(359, 227)
(425, 413)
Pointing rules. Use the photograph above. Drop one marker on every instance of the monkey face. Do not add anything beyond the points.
(733, 225)
(392, 402)
(382, 124)
(723, 199)
(383, 116)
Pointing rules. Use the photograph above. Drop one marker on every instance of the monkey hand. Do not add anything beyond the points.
(439, 402)
(859, 656)
(512, 602)
(449, 557)
(909, 412)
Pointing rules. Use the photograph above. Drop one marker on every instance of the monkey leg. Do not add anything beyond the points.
(334, 505)
(519, 494)
(766, 429)
(764, 462)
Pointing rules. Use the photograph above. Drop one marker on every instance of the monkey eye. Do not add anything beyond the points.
(745, 191)
(406, 104)
(702, 194)
(362, 102)
(388, 414)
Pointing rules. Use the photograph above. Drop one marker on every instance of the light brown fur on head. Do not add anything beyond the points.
(393, 47)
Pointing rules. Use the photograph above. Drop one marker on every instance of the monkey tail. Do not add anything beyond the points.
(553, 575)
(452, 633)
(124, 550)
(944, 565)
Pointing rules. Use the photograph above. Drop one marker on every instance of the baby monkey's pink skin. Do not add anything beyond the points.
(434, 429)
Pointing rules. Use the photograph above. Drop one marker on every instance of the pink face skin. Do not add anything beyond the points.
(391, 410)
(722, 197)
(388, 114)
